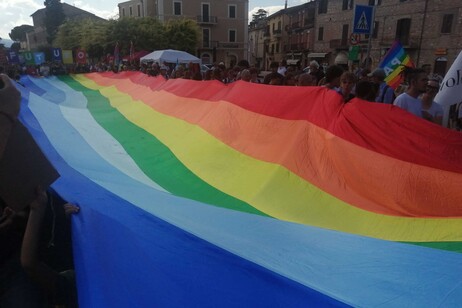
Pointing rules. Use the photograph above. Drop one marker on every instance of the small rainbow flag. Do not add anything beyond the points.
(393, 62)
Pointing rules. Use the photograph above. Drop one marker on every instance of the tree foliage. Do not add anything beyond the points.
(260, 15)
(145, 33)
(69, 35)
(54, 17)
(19, 33)
(16, 46)
(182, 34)
(88, 34)
(99, 38)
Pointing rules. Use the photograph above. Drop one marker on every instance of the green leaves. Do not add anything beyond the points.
(99, 37)
(54, 17)
(19, 33)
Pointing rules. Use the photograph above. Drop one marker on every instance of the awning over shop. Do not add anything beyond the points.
(293, 61)
(317, 55)
(341, 58)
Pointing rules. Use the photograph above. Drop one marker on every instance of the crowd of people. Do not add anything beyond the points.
(35, 254)
(36, 262)
(416, 94)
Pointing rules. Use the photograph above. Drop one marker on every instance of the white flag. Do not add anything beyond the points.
(450, 92)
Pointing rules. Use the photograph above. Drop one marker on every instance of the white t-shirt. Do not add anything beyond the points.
(282, 70)
(409, 103)
(435, 110)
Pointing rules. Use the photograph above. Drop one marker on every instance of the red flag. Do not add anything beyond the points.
(116, 54)
(132, 51)
(81, 56)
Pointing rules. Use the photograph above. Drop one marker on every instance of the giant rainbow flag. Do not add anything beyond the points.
(199, 194)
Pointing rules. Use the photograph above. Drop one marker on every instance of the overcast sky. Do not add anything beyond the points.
(17, 12)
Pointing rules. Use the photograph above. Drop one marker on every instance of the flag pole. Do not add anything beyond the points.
(369, 42)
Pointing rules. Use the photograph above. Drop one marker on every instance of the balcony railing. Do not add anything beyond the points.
(277, 32)
(294, 26)
(210, 44)
(411, 42)
(229, 45)
(211, 20)
(294, 46)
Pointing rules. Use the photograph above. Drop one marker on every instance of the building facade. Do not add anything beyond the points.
(257, 46)
(223, 24)
(133, 8)
(429, 30)
(285, 35)
(300, 34)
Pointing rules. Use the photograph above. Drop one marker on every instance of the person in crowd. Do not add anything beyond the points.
(332, 78)
(243, 64)
(417, 84)
(430, 109)
(197, 76)
(427, 68)
(459, 117)
(282, 68)
(245, 75)
(289, 79)
(10, 99)
(178, 72)
(57, 283)
(208, 75)
(233, 74)
(363, 74)
(347, 83)
(254, 75)
(187, 75)
(386, 93)
(274, 75)
(217, 74)
(16, 289)
(316, 70)
(306, 79)
(163, 69)
(367, 90)
(222, 66)
(276, 80)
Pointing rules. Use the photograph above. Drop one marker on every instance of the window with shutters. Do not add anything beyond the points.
(403, 27)
(446, 27)
(177, 8)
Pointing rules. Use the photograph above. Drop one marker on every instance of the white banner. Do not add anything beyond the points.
(450, 92)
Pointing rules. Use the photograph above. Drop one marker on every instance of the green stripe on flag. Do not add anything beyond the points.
(153, 157)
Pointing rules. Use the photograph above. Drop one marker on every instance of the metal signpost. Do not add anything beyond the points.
(363, 23)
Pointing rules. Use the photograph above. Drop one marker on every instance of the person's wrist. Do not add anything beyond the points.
(37, 207)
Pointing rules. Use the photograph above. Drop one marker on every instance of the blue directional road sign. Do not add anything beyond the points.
(364, 19)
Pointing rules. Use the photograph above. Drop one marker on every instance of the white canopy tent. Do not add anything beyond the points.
(170, 56)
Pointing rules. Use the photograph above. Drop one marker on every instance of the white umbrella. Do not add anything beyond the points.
(170, 56)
